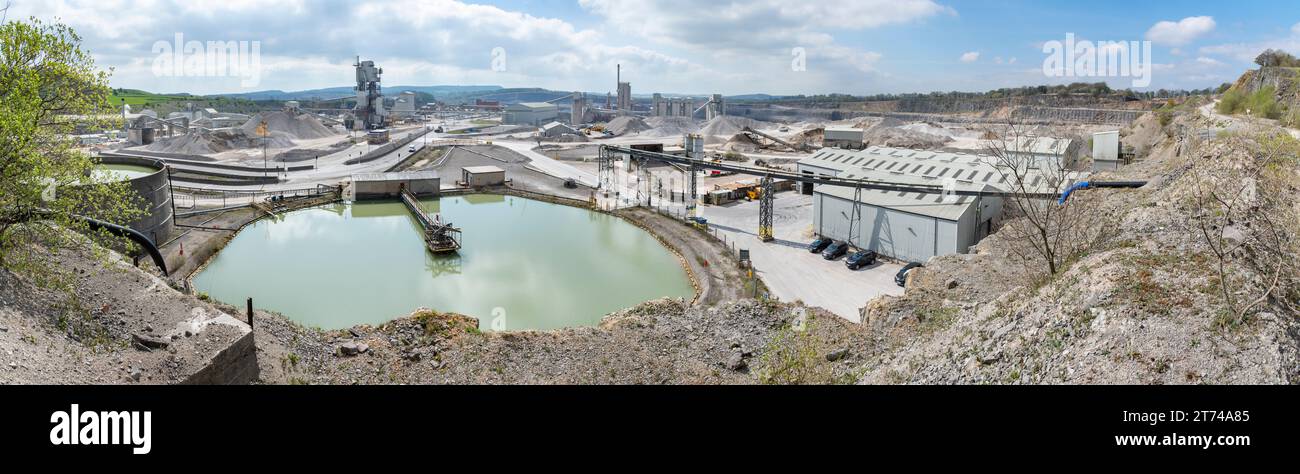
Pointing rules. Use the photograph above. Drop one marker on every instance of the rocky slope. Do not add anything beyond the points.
(1142, 307)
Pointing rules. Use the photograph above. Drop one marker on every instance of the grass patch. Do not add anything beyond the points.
(1261, 103)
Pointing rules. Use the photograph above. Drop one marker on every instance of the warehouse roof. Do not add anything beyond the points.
(1040, 145)
(482, 169)
(534, 106)
(960, 171)
(930, 167)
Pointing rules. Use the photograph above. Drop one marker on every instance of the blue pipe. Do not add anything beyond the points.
(1079, 186)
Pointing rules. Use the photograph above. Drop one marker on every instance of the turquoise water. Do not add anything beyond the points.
(524, 265)
(110, 173)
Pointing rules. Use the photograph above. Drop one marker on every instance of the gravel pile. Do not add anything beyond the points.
(295, 127)
(627, 126)
(671, 126)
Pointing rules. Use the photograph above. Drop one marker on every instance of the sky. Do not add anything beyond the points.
(781, 47)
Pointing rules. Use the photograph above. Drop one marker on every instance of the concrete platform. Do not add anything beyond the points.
(135, 328)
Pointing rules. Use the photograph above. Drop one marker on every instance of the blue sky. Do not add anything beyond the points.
(673, 46)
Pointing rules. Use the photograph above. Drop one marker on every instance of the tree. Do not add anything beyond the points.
(1276, 58)
(49, 88)
(1244, 213)
(1038, 230)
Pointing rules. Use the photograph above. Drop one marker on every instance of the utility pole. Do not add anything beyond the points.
(261, 130)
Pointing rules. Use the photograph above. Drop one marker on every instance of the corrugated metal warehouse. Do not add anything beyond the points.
(905, 226)
(530, 113)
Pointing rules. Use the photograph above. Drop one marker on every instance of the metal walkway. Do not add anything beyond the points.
(439, 237)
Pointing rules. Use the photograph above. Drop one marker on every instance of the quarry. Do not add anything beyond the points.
(389, 238)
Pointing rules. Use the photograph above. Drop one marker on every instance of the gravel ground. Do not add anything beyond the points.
(660, 342)
(44, 339)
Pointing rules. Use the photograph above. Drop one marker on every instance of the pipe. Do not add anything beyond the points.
(132, 234)
(1082, 185)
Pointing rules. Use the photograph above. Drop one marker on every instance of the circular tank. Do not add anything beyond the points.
(154, 190)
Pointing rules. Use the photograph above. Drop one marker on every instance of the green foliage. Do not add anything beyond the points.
(795, 356)
(50, 87)
(1276, 58)
(1261, 103)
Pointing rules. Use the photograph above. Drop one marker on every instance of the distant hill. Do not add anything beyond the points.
(341, 92)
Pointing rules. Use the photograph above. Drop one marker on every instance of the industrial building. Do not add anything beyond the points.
(843, 137)
(671, 107)
(1106, 151)
(481, 176)
(557, 130)
(906, 226)
(578, 112)
(1045, 152)
(404, 106)
(390, 185)
(530, 113)
(369, 112)
(624, 105)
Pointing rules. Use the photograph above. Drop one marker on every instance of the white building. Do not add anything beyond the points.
(557, 130)
(531, 113)
(1045, 151)
(843, 137)
(404, 105)
(1105, 151)
(906, 226)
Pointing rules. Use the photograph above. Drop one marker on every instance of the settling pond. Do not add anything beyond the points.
(105, 172)
(525, 265)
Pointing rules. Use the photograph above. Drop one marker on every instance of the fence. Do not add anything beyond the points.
(244, 197)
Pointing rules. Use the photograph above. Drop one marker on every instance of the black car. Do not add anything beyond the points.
(819, 245)
(835, 251)
(901, 277)
(861, 259)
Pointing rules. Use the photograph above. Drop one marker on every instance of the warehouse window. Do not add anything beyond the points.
(891, 166)
(931, 170)
(944, 172)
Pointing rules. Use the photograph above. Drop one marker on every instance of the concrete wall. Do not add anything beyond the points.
(476, 180)
(235, 364)
(393, 188)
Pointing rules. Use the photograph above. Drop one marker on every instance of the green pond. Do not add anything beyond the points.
(524, 265)
(105, 172)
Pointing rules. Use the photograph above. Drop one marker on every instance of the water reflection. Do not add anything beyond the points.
(546, 265)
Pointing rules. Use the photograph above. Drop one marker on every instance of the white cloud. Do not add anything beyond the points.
(1246, 52)
(970, 57)
(1182, 32)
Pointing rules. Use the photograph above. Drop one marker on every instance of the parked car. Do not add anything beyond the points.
(861, 259)
(901, 277)
(817, 246)
(836, 250)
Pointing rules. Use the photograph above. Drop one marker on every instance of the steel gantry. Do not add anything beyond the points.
(766, 197)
